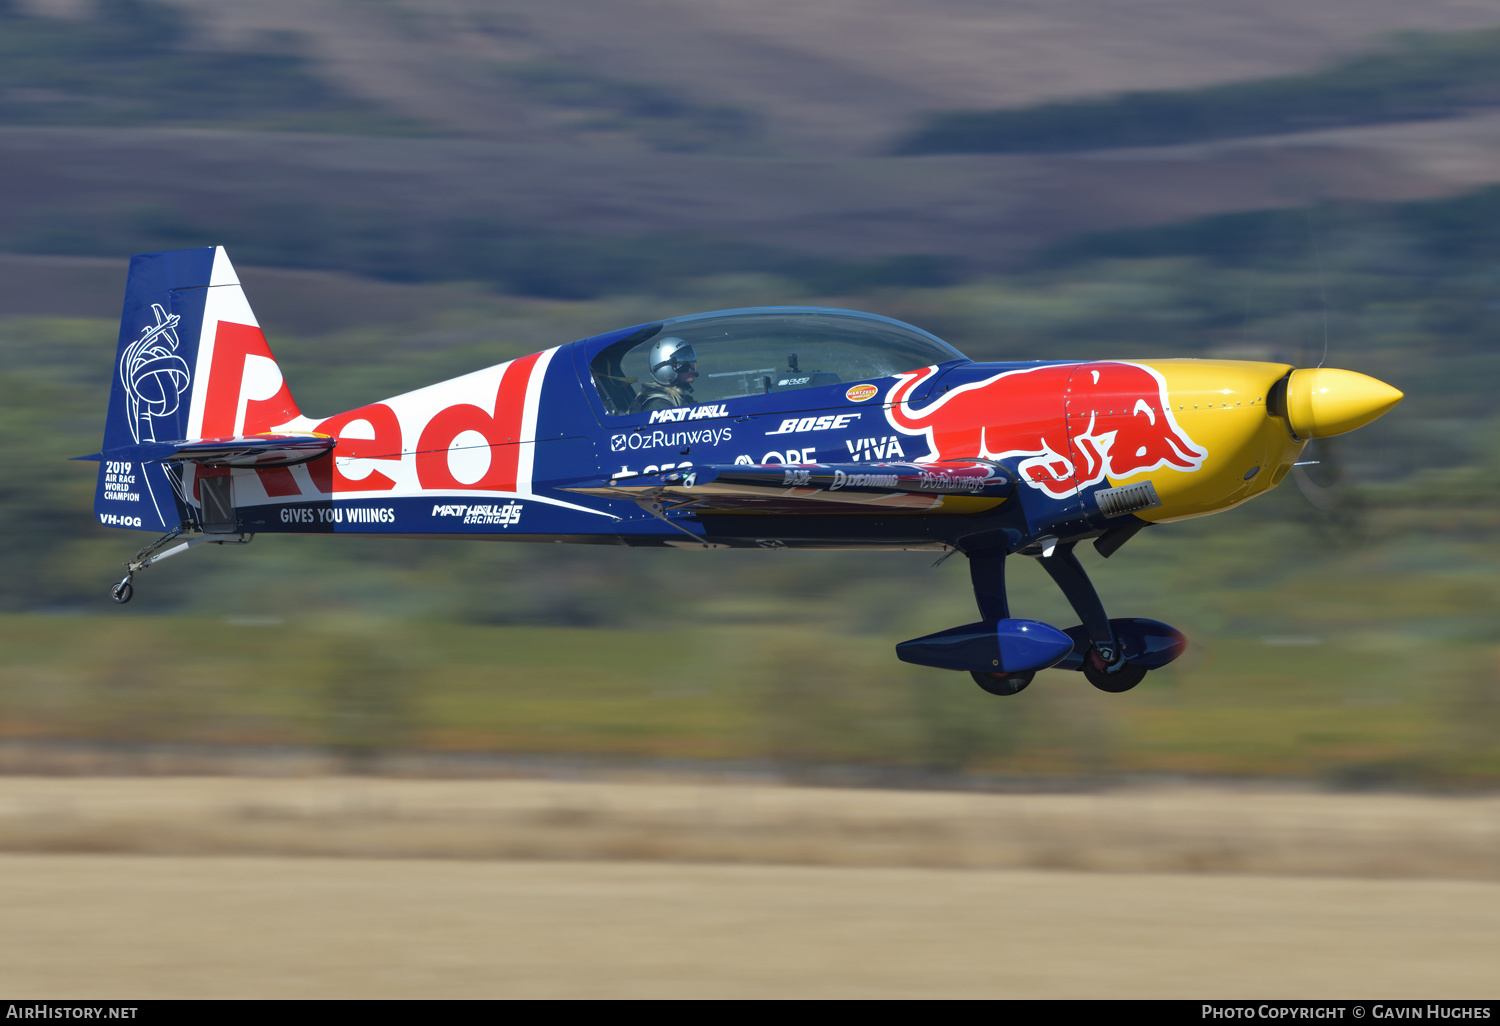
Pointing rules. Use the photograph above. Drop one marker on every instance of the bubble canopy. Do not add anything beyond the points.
(766, 350)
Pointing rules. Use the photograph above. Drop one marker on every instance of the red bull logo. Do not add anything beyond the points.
(1069, 426)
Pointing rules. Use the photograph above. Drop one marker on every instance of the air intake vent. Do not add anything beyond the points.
(217, 515)
(1131, 498)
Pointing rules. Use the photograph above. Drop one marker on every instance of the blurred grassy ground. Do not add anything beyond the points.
(1344, 711)
(653, 816)
(117, 927)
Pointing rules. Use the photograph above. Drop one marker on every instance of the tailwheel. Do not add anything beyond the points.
(1121, 677)
(1003, 683)
(122, 592)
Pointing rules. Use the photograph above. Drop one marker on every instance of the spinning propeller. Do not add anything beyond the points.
(1322, 454)
(1320, 403)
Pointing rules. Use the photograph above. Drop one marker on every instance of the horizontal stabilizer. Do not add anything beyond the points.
(278, 450)
(813, 487)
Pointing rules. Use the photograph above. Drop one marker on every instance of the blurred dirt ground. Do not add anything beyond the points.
(373, 887)
(1194, 829)
(80, 926)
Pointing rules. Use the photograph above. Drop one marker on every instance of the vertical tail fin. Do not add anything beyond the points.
(191, 363)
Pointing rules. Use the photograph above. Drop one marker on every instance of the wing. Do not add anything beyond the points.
(815, 487)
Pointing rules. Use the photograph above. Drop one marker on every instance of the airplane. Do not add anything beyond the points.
(768, 427)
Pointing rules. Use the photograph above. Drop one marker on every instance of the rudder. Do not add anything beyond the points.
(191, 363)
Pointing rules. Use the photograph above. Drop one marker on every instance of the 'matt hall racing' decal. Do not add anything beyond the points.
(507, 515)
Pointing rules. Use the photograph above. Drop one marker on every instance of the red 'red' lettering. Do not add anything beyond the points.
(233, 345)
(322, 469)
(385, 445)
(278, 481)
(499, 430)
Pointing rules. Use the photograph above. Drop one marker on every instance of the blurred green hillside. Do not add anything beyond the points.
(1359, 645)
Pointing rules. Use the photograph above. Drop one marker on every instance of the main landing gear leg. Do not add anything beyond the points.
(1104, 666)
(987, 572)
(124, 590)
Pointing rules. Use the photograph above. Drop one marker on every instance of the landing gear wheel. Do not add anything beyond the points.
(1002, 683)
(122, 592)
(1121, 678)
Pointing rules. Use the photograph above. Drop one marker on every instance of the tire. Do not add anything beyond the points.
(1122, 679)
(122, 592)
(1002, 683)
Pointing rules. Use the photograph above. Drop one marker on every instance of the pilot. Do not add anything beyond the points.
(674, 368)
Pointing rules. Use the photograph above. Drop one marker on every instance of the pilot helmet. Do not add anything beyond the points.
(669, 356)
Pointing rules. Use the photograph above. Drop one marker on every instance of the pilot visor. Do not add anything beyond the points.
(680, 359)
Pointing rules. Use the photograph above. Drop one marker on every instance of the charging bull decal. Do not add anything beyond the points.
(1071, 426)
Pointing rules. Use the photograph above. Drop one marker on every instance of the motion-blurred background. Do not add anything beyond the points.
(415, 189)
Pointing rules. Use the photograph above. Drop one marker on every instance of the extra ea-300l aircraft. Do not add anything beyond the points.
(772, 427)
